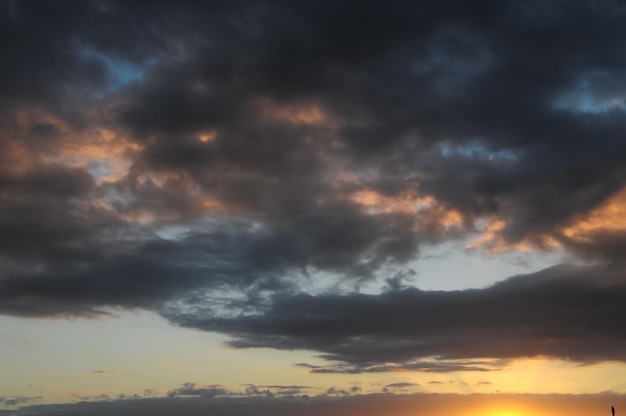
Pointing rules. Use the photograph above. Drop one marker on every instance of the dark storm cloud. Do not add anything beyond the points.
(57, 265)
(47, 230)
(476, 102)
(48, 179)
(563, 312)
(248, 130)
(136, 268)
(57, 51)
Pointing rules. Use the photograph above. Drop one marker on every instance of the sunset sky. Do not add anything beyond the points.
(312, 208)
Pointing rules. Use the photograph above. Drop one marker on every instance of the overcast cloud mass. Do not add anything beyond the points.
(248, 168)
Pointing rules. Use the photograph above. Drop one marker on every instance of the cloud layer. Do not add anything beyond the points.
(563, 312)
(230, 165)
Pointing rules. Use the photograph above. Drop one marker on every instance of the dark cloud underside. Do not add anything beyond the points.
(567, 313)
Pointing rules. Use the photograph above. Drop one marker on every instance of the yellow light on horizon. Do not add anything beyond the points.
(502, 406)
(506, 413)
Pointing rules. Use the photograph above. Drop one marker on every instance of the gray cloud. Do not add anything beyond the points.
(398, 387)
(190, 390)
(275, 390)
(563, 312)
(247, 132)
(18, 400)
(429, 366)
(220, 259)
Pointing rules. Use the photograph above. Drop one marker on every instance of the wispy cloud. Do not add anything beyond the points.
(18, 400)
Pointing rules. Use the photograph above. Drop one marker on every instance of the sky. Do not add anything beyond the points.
(313, 207)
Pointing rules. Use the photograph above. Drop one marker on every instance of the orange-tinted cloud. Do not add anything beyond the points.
(607, 218)
(301, 113)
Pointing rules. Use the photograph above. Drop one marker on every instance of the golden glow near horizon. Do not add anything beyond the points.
(97, 364)
(513, 409)
(500, 410)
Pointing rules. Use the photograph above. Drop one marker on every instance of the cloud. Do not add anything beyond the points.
(18, 400)
(430, 366)
(565, 312)
(86, 397)
(398, 387)
(246, 168)
(190, 390)
(52, 67)
(401, 385)
(275, 390)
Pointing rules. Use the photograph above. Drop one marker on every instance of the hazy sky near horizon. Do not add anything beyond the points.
(313, 203)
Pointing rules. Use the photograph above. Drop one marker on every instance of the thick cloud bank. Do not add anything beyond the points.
(230, 164)
(563, 312)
